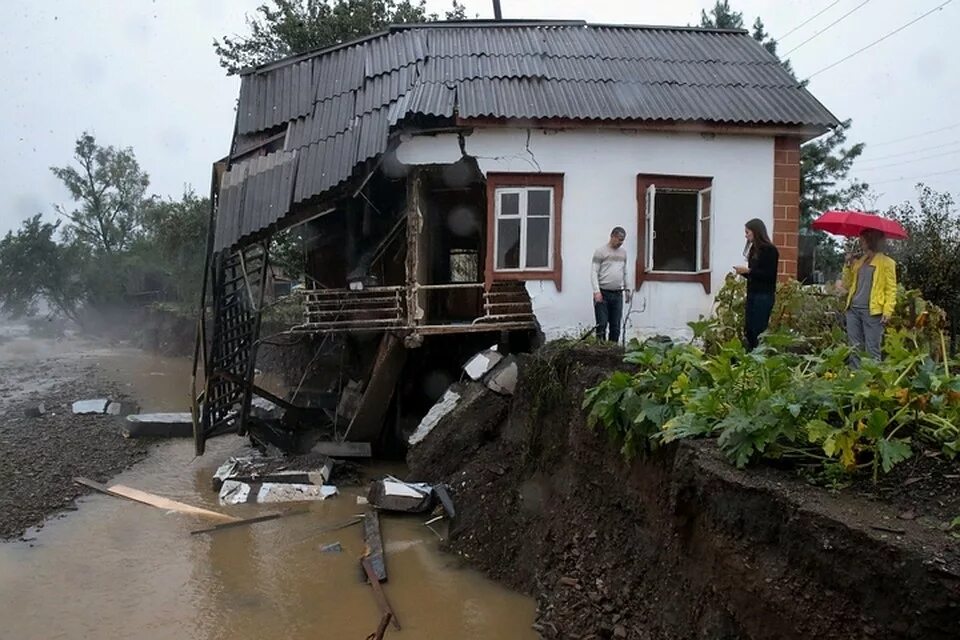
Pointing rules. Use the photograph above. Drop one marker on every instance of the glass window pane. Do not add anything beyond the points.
(508, 244)
(538, 243)
(675, 232)
(538, 202)
(509, 204)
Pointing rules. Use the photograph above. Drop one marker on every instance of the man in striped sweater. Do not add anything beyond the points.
(608, 274)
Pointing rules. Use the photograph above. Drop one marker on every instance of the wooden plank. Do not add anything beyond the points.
(343, 449)
(121, 491)
(247, 521)
(381, 628)
(374, 545)
(378, 593)
(368, 421)
(441, 492)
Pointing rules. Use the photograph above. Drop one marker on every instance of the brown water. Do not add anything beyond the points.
(116, 569)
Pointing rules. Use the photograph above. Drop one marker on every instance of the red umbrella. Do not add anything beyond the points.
(851, 223)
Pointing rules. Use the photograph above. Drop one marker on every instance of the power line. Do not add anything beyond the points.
(915, 135)
(825, 29)
(900, 164)
(879, 40)
(909, 153)
(923, 177)
(809, 20)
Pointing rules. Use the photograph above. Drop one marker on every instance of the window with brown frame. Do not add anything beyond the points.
(674, 222)
(523, 226)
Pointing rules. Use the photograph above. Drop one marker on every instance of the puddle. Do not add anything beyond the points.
(115, 569)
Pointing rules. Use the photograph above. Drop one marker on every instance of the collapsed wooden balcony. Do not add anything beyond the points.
(425, 309)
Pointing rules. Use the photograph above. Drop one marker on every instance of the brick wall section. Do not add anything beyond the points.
(786, 203)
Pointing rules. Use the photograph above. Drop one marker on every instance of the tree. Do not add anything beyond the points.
(929, 260)
(174, 244)
(34, 267)
(825, 163)
(108, 187)
(288, 27)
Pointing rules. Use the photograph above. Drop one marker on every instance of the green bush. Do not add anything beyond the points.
(794, 399)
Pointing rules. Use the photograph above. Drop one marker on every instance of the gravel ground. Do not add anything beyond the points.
(40, 456)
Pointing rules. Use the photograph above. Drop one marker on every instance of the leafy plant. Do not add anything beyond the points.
(784, 401)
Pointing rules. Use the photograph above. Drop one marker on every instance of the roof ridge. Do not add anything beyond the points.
(477, 24)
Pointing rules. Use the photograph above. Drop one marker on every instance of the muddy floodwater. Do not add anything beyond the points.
(116, 569)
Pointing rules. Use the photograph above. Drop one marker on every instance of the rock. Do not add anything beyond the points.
(333, 547)
(567, 581)
(619, 631)
(84, 407)
(35, 411)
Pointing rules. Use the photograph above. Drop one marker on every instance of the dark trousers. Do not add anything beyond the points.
(608, 314)
(759, 306)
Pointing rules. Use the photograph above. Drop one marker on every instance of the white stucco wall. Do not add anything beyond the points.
(599, 192)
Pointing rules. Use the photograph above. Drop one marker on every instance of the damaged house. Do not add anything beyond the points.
(452, 181)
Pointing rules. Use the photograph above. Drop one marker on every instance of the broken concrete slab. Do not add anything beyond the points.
(159, 425)
(333, 547)
(275, 469)
(503, 379)
(390, 494)
(342, 449)
(480, 364)
(235, 492)
(86, 407)
(444, 405)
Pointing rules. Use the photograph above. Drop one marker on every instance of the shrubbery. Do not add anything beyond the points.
(794, 399)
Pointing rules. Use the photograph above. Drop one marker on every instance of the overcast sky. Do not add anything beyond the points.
(143, 74)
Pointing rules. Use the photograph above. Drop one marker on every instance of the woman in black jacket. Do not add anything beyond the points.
(761, 274)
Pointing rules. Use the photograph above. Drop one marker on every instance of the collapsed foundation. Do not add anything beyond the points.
(679, 545)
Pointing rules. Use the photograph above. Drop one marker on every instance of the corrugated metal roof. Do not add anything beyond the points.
(339, 105)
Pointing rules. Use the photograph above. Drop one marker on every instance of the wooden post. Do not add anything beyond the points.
(414, 227)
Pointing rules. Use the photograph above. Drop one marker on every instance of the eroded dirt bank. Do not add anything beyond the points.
(681, 545)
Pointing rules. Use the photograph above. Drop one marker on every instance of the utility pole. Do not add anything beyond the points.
(497, 15)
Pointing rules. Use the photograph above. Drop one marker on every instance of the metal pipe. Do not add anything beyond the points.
(497, 14)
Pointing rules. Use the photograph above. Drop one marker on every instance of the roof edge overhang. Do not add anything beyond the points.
(804, 132)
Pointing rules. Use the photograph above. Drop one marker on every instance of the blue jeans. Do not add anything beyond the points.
(608, 314)
(759, 306)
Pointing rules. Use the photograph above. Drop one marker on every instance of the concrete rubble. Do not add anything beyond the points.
(270, 469)
(390, 494)
(159, 425)
(235, 492)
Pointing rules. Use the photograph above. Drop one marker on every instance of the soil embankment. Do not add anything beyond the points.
(680, 545)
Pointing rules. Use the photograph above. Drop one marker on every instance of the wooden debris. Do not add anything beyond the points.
(381, 628)
(378, 593)
(121, 491)
(374, 542)
(443, 495)
(247, 521)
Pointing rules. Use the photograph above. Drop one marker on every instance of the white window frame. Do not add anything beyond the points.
(522, 216)
(650, 235)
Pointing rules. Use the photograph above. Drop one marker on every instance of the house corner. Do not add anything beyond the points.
(786, 204)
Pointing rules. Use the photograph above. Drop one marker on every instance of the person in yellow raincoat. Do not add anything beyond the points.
(871, 284)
